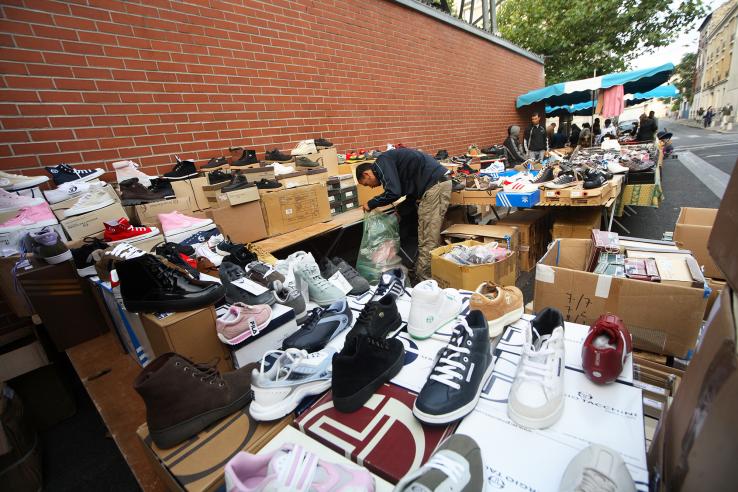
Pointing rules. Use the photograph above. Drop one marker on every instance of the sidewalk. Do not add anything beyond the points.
(699, 124)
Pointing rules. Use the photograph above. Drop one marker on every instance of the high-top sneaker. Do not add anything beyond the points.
(605, 349)
(125, 170)
(120, 230)
(239, 182)
(322, 143)
(64, 173)
(147, 285)
(219, 178)
(35, 216)
(453, 388)
(174, 223)
(47, 245)
(432, 308)
(183, 398)
(378, 319)
(182, 170)
(176, 254)
(247, 158)
(133, 192)
(10, 202)
(163, 186)
(16, 182)
(105, 260)
(320, 290)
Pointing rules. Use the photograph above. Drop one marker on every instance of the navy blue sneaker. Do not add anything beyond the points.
(64, 173)
(200, 237)
(321, 327)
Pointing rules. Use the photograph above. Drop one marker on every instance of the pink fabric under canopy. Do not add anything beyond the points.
(612, 101)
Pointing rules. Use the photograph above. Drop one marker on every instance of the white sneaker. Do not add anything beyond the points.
(202, 250)
(128, 169)
(16, 182)
(597, 469)
(616, 168)
(305, 147)
(432, 308)
(94, 199)
(536, 398)
(10, 202)
(71, 189)
(214, 241)
(280, 169)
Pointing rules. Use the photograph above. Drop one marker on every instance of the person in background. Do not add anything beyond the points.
(608, 130)
(420, 179)
(574, 136)
(646, 129)
(652, 116)
(596, 130)
(535, 141)
(550, 131)
(559, 139)
(513, 149)
(585, 137)
(708, 117)
(665, 141)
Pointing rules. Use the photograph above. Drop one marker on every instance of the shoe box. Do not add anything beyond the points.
(695, 446)
(523, 200)
(91, 223)
(329, 158)
(341, 182)
(336, 208)
(451, 274)
(663, 317)
(243, 223)
(281, 325)
(197, 464)
(238, 197)
(384, 436)
(59, 207)
(317, 175)
(349, 204)
(191, 334)
(692, 231)
(258, 173)
(286, 210)
(643, 177)
(575, 223)
(291, 180)
(147, 214)
(193, 190)
(291, 435)
(534, 227)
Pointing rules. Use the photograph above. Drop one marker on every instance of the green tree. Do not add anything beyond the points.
(578, 36)
(685, 72)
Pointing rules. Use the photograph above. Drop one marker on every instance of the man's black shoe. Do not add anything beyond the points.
(321, 327)
(163, 186)
(322, 143)
(276, 155)
(378, 319)
(241, 256)
(218, 177)
(239, 183)
(214, 164)
(171, 251)
(247, 158)
(230, 273)
(268, 184)
(441, 155)
(453, 389)
(148, 285)
(181, 170)
(84, 261)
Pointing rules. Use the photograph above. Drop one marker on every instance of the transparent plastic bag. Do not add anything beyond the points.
(380, 246)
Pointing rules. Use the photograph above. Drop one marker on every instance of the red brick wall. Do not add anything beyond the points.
(92, 82)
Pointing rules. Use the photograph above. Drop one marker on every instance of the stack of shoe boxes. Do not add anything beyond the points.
(342, 193)
(91, 223)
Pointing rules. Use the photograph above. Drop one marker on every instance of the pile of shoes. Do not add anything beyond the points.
(477, 255)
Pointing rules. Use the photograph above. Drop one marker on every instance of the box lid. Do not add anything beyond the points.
(317, 170)
(296, 174)
(166, 319)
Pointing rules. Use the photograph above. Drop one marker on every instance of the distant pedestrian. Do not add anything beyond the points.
(652, 115)
(596, 130)
(536, 140)
(646, 129)
(574, 136)
(513, 150)
(708, 117)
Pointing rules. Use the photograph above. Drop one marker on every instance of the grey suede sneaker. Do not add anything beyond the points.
(47, 245)
(457, 466)
(230, 273)
(292, 298)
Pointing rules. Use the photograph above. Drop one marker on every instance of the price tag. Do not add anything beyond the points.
(250, 286)
(339, 281)
(576, 194)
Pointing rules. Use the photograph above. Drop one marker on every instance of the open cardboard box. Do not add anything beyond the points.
(662, 318)
(692, 230)
(468, 277)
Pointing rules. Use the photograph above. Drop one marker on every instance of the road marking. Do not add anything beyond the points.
(713, 155)
(706, 146)
(712, 177)
(692, 136)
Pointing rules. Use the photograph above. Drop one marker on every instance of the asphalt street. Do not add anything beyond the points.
(696, 178)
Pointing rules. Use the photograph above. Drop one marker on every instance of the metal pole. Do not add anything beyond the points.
(485, 15)
(493, 12)
(592, 117)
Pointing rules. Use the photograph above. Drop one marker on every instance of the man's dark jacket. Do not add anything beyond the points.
(405, 172)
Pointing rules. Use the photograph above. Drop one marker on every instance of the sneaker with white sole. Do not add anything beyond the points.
(174, 223)
(520, 186)
(597, 468)
(94, 199)
(501, 306)
(321, 292)
(17, 182)
(128, 169)
(461, 369)
(536, 398)
(391, 281)
(202, 251)
(432, 308)
(10, 202)
(64, 173)
(615, 168)
(48, 245)
(29, 217)
(72, 189)
(563, 180)
(294, 375)
(105, 260)
(305, 147)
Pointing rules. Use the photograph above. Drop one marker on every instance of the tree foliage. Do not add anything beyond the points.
(578, 36)
(685, 72)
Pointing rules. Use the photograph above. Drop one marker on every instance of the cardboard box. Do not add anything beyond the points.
(21, 357)
(349, 204)
(242, 223)
(295, 208)
(692, 231)
(334, 197)
(524, 200)
(291, 180)
(317, 175)
(330, 160)
(716, 287)
(197, 464)
(192, 189)
(349, 193)
(59, 207)
(383, 435)
(505, 235)
(91, 223)
(14, 242)
(721, 245)
(474, 197)
(450, 274)
(336, 208)
(10, 290)
(147, 213)
(238, 197)
(662, 318)
(576, 222)
(191, 334)
(695, 443)
(534, 235)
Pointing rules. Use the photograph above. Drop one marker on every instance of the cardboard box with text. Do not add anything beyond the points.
(295, 208)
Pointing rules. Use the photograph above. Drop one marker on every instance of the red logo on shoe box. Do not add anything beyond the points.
(383, 435)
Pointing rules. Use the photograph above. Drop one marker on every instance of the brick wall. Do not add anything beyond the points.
(91, 82)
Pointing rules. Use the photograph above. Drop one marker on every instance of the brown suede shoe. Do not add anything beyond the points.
(501, 306)
(183, 398)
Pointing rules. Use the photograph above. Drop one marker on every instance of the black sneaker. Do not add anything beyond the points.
(329, 267)
(563, 180)
(240, 255)
(276, 155)
(268, 184)
(321, 327)
(148, 285)
(230, 273)
(218, 177)
(378, 319)
(171, 251)
(161, 185)
(545, 175)
(441, 155)
(64, 173)
(391, 281)
(239, 183)
(363, 365)
(453, 388)
(214, 164)
(322, 143)
(594, 179)
(181, 170)
(83, 258)
(225, 247)
(247, 158)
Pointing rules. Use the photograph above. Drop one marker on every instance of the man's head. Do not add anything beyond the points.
(608, 122)
(365, 175)
(552, 127)
(535, 119)
(651, 114)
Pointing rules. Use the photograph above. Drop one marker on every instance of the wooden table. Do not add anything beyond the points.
(108, 374)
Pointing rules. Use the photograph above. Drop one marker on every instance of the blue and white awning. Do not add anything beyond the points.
(585, 108)
(578, 91)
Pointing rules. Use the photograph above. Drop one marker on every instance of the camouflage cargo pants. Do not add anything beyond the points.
(431, 211)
